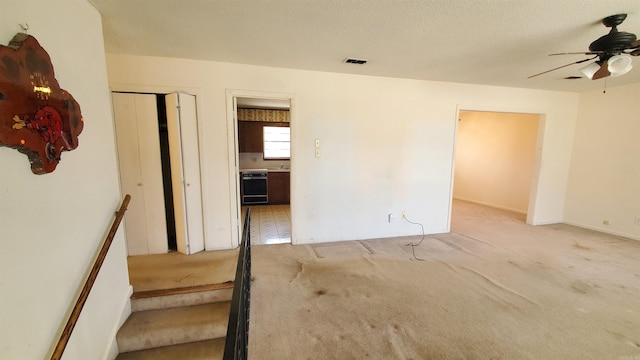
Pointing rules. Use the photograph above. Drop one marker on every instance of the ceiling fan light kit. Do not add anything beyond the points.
(590, 70)
(619, 65)
(613, 50)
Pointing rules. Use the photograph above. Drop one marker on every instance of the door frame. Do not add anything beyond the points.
(233, 152)
(535, 183)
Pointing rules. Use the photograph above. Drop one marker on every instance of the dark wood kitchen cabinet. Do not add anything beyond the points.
(278, 187)
(250, 136)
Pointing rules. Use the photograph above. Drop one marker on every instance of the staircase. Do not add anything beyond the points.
(185, 323)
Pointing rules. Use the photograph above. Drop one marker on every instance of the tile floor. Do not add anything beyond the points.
(270, 224)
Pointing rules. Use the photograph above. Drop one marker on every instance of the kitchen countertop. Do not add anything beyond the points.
(267, 170)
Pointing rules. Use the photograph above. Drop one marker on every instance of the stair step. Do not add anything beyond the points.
(144, 301)
(200, 350)
(157, 328)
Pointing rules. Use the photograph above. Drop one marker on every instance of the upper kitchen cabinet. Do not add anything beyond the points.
(250, 136)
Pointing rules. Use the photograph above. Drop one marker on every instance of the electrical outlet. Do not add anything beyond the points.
(403, 214)
(637, 220)
(391, 218)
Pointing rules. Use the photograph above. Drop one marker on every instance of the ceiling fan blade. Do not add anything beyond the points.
(634, 45)
(560, 67)
(603, 72)
(578, 53)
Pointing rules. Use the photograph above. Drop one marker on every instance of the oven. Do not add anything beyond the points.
(254, 186)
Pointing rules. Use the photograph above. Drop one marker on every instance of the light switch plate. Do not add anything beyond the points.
(317, 142)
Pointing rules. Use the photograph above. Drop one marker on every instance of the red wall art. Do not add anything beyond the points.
(37, 117)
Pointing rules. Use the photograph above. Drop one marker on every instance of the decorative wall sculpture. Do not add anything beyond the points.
(37, 117)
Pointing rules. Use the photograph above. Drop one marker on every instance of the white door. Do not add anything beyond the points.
(138, 144)
(184, 153)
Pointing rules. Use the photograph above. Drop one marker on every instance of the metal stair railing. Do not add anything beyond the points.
(237, 341)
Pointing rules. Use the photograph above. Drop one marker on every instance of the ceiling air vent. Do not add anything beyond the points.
(355, 61)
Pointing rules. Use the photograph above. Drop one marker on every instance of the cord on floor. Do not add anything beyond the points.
(413, 246)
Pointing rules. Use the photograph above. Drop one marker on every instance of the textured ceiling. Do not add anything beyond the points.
(489, 42)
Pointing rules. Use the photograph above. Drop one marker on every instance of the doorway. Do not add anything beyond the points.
(262, 142)
(497, 159)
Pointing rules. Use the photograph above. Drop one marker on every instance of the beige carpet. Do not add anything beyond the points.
(494, 288)
(175, 270)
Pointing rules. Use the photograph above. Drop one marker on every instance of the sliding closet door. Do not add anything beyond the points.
(136, 121)
(184, 152)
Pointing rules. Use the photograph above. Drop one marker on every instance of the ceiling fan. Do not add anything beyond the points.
(613, 52)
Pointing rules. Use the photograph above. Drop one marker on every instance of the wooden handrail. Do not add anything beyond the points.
(84, 294)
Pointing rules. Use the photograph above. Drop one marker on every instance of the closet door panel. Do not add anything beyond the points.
(124, 111)
(185, 172)
(151, 168)
(140, 168)
(191, 168)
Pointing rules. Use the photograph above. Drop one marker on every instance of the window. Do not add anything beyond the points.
(277, 142)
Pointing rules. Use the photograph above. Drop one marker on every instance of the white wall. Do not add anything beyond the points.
(386, 144)
(52, 225)
(495, 158)
(604, 181)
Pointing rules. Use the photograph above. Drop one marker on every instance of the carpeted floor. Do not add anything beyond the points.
(493, 288)
(175, 270)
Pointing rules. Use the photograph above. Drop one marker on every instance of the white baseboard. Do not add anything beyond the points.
(602, 230)
(112, 350)
(519, 211)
